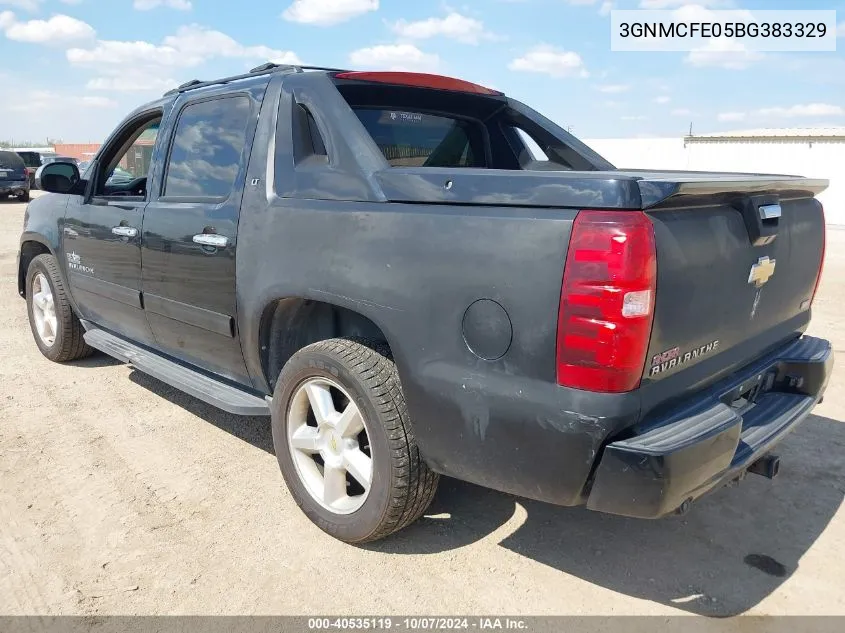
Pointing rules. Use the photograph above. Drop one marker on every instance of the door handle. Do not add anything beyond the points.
(211, 239)
(125, 231)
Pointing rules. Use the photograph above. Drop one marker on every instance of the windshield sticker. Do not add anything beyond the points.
(406, 117)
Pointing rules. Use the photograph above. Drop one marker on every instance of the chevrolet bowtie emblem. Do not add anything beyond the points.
(761, 272)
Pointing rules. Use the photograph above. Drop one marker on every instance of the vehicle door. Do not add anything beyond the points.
(190, 231)
(102, 233)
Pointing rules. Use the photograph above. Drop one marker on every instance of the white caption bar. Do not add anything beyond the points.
(694, 28)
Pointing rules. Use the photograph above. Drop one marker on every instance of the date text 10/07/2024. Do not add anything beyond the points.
(418, 624)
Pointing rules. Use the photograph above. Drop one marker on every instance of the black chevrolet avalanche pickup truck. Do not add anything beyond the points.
(417, 276)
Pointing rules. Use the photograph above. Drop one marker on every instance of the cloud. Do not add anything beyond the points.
(723, 53)
(131, 81)
(840, 30)
(662, 99)
(671, 4)
(117, 55)
(613, 88)
(394, 57)
(190, 46)
(454, 26)
(800, 111)
(631, 117)
(197, 42)
(58, 30)
(550, 61)
(806, 110)
(327, 12)
(48, 100)
(98, 102)
(26, 5)
(681, 112)
(36, 112)
(604, 8)
(139, 65)
(146, 5)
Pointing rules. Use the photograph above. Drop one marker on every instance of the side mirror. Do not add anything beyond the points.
(57, 177)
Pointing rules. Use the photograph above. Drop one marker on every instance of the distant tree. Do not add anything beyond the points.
(49, 142)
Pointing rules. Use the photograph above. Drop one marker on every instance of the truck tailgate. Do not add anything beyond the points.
(738, 260)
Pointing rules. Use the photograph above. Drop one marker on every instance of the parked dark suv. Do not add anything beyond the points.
(33, 160)
(14, 179)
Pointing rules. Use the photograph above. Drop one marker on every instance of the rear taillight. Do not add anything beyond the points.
(821, 263)
(607, 301)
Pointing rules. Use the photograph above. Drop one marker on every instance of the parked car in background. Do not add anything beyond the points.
(14, 178)
(33, 159)
(119, 176)
(60, 159)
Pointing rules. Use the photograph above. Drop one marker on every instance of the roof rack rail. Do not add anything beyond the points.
(263, 69)
(297, 68)
(329, 70)
(193, 85)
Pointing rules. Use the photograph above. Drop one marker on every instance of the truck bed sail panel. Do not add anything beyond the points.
(496, 187)
(577, 189)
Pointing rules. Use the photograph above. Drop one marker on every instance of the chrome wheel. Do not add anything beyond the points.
(44, 310)
(327, 438)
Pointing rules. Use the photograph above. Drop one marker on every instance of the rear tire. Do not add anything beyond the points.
(24, 197)
(56, 329)
(342, 375)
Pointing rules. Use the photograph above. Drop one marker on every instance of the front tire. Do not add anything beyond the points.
(345, 443)
(56, 329)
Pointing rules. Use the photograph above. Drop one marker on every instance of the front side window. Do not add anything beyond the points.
(415, 139)
(208, 148)
(126, 167)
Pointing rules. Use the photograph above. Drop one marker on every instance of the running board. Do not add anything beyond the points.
(216, 393)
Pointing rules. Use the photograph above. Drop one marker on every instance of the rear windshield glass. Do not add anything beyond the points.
(422, 127)
(414, 139)
(10, 160)
(31, 159)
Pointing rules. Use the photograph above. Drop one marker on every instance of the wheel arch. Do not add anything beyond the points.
(291, 323)
(32, 245)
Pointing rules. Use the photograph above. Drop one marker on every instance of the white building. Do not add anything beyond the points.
(810, 152)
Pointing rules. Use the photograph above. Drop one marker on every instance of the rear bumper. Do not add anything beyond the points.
(703, 444)
(13, 187)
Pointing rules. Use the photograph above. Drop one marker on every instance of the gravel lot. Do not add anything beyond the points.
(120, 495)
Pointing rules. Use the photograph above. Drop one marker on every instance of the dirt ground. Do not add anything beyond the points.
(120, 495)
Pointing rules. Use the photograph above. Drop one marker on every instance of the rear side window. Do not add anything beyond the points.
(11, 161)
(207, 152)
(416, 139)
(532, 148)
(416, 126)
